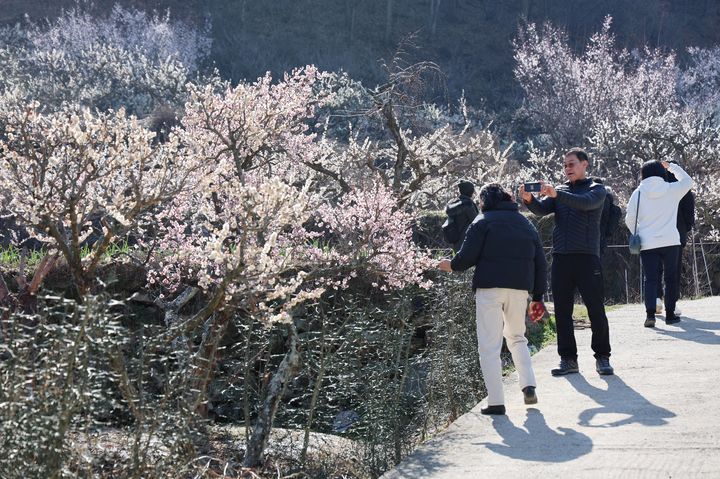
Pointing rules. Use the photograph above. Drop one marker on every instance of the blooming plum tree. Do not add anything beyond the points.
(252, 237)
(158, 36)
(372, 235)
(62, 171)
(127, 59)
(700, 82)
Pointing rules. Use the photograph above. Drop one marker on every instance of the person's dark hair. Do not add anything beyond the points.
(579, 152)
(491, 195)
(652, 168)
(466, 188)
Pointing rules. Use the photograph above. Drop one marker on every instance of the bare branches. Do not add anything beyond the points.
(407, 82)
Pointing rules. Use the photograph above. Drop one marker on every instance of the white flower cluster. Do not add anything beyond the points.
(128, 59)
(64, 172)
(259, 233)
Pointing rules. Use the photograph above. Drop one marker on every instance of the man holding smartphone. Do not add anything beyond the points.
(577, 205)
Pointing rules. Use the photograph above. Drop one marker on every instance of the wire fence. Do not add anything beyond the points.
(622, 271)
(699, 274)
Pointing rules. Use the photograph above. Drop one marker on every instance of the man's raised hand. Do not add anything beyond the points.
(548, 190)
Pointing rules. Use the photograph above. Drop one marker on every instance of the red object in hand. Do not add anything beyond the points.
(537, 311)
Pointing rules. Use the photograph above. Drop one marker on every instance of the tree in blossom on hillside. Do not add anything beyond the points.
(127, 59)
(159, 37)
(64, 173)
(255, 236)
(699, 84)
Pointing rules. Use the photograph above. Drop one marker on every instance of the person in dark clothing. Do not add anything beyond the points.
(461, 212)
(504, 247)
(609, 218)
(685, 224)
(577, 205)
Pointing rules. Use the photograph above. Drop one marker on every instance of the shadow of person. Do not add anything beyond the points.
(536, 441)
(425, 461)
(619, 402)
(690, 329)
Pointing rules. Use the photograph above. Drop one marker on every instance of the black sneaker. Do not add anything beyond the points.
(567, 366)
(493, 410)
(602, 366)
(529, 395)
(650, 322)
(672, 319)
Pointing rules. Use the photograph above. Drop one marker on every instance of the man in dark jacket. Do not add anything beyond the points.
(461, 212)
(509, 261)
(577, 205)
(685, 224)
(609, 218)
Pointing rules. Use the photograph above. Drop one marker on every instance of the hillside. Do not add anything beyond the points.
(470, 39)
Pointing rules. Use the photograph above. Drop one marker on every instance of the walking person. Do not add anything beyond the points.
(577, 205)
(460, 213)
(652, 213)
(504, 247)
(685, 224)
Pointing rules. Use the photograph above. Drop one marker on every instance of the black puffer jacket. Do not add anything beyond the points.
(463, 210)
(577, 207)
(505, 249)
(686, 216)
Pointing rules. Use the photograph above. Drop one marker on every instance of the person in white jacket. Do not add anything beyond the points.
(652, 213)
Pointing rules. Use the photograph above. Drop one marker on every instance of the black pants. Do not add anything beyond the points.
(660, 288)
(651, 260)
(581, 271)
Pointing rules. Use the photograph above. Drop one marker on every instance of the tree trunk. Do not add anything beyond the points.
(264, 422)
(402, 151)
(316, 393)
(246, 382)
(388, 20)
(206, 361)
(434, 12)
(351, 14)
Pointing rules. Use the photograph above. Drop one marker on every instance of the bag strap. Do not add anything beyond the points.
(637, 213)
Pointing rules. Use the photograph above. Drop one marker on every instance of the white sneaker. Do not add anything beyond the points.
(659, 306)
(677, 311)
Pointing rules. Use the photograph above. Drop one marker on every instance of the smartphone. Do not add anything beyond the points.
(532, 187)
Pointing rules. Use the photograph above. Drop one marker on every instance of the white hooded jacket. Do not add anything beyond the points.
(657, 217)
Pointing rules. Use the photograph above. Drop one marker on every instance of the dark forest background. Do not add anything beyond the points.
(469, 39)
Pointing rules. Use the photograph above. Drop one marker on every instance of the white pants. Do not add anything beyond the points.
(501, 312)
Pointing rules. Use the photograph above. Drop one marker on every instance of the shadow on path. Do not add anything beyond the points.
(618, 399)
(425, 462)
(696, 330)
(537, 441)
